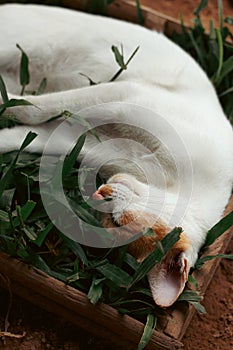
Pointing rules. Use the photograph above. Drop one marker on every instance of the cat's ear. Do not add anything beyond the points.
(167, 279)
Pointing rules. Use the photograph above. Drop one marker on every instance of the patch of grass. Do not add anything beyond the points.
(111, 275)
(214, 52)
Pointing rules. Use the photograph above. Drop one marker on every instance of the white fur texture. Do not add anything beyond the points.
(62, 43)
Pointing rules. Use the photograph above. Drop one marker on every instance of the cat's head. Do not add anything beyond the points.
(128, 205)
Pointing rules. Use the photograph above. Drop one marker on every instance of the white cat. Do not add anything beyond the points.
(161, 116)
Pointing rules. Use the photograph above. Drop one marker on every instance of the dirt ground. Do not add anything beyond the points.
(212, 331)
(47, 332)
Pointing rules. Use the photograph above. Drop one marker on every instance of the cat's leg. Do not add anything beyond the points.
(167, 279)
(49, 105)
(11, 139)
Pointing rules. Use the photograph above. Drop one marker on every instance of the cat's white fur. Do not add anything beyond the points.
(162, 78)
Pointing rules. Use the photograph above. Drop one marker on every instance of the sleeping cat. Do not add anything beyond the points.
(167, 148)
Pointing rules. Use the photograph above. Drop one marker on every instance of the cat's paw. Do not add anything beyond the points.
(125, 194)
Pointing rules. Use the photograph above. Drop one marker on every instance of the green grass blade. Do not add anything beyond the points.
(3, 90)
(182, 23)
(212, 34)
(131, 261)
(218, 229)
(38, 262)
(229, 20)
(4, 216)
(71, 159)
(42, 87)
(167, 242)
(197, 49)
(7, 197)
(29, 232)
(148, 331)
(118, 276)
(73, 278)
(24, 69)
(200, 262)
(228, 91)
(43, 234)
(96, 290)
(144, 291)
(91, 82)
(14, 103)
(220, 15)
(200, 7)
(28, 186)
(199, 307)
(139, 12)
(25, 212)
(76, 248)
(28, 139)
(192, 280)
(220, 60)
(7, 176)
(132, 55)
(86, 216)
(190, 295)
(134, 301)
(226, 69)
(119, 57)
(194, 298)
(88, 127)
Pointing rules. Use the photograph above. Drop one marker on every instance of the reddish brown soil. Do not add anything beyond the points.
(215, 329)
(206, 332)
(174, 8)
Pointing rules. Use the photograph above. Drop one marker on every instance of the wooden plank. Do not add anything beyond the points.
(182, 314)
(127, 10)
(56, 297)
